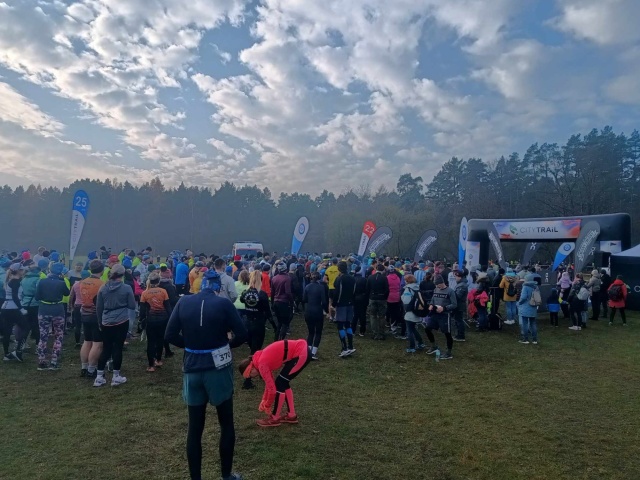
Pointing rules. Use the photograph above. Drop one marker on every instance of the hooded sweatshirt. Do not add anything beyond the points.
(504, 284)
(394, 288)
(524, 308)
(407, 296)
(565, 281)
(29, 286)
(619, 303)
(115, 303)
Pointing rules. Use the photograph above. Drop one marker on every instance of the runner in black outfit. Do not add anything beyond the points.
(316, 303)
(200, 324)
(360, 303)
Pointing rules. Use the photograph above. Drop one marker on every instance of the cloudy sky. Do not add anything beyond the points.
(300, 94)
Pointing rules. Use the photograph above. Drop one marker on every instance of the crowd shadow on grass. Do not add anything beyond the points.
(566, 408)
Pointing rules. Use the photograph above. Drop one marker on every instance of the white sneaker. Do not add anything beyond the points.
(574, 328)
(351, 351)
(99, 381)
(118, 380)
(343, 353)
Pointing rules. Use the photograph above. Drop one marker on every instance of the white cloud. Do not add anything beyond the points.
(606, 22)
(17, 109)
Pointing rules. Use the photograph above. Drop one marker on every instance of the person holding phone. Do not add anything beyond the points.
(442, 305)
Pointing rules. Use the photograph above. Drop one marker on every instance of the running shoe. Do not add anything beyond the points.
(289, 419)
(446, 356)
(535, 343)
(314, 357)
(54, 367)
(432, 350)
(16, 356)
(99, 381)
(269, 422)
(422, 346)
(524, 342)
(43, 366)
(574, 327)
(410, 350)
(361, 334)
(83, 372)
(343, 353)
(92, 375)
(351, 351)
(118, 380)
(8, 357)
(234, 476)
(151, 369)
(400, 337)
(158, 363)
(459, 339)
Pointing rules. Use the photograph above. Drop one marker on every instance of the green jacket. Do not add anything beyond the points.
(29, 285)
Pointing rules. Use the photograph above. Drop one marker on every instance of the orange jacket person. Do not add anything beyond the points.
(293, 356)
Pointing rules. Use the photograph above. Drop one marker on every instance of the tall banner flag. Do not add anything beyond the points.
(529, 252)
(78, 218)
(424, 244)
(586, 244)
(299, 234)
(472, 254)
(378, 240)
(367, 231)
(462, 241)
(494, 239)
(563, 252)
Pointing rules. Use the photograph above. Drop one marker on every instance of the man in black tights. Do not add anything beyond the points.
(200, 324)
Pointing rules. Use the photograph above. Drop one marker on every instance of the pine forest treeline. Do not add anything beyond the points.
(593, 174)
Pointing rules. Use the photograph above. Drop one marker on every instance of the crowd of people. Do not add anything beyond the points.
(208, 305)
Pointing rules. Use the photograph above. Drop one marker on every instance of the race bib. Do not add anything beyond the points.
(222, 357)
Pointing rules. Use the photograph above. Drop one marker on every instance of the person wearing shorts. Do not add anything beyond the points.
(293, 356)
(200, 324)
(443, 304)
(345, 288)
(92, 346)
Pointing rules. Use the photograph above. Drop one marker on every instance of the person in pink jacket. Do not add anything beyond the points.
(293, 356)
(395, 312)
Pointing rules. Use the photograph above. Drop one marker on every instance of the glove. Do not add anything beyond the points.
(23, 311)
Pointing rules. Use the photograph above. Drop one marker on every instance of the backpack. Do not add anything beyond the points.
(615, 293)
(511, 289)
(583, 294)
(251, 298)
(536, 298)
(418, 305)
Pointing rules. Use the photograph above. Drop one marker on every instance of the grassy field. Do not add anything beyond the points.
(565, 409)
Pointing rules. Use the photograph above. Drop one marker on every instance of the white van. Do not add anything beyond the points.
(246, 249)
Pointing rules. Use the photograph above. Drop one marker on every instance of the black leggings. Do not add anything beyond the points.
(283, 314)
(256, 330)
(77, 323)
(112, 342)
(315, 324)
(553, 316)
(612, 314)
(359, 316)
(197, 416)
(432, 339)
(9, 318)
(155, 340)
(32, 315)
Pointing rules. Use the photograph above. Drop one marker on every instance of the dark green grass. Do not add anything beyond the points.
(567, 408)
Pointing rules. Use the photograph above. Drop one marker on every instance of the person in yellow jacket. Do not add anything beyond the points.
(196, 285)
(111, 261)
(510, 295)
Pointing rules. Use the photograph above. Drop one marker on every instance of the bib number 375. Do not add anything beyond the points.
(222, 357)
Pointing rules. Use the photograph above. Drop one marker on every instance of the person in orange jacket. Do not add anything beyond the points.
(617, 293)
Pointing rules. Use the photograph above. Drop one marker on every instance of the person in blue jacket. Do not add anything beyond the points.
(200, 324)
(182, 274)
(528, 313)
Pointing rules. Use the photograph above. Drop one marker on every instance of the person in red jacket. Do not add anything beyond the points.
(617, 299)
(293, 356)
(266, 280)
